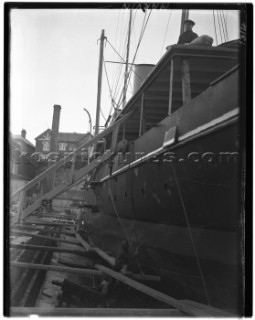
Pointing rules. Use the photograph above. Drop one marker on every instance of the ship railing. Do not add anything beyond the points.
(51, 182)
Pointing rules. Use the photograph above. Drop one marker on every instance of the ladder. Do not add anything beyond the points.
(46, 187)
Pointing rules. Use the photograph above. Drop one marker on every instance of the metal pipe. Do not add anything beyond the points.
(90, 122)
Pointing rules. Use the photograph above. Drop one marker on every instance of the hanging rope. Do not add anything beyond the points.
(215, 31)
(219, 27)
(138, 45)
(112, 100)
(222, 26)
(191, 237)
(112, 200)
(225, 24)
(166, 32)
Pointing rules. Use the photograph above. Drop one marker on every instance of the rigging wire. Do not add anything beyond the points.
(140, 39)
(222, 26)
(139, 42)
(166, 32)
(115, 45)
(118, 69)
(120, 88)
(215, 30)
(107, 80)
(190, 233)
(143, 24)
(115, 209)
(225, 23)
(219, 27)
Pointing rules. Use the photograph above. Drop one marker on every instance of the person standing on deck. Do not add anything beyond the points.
(188, 35)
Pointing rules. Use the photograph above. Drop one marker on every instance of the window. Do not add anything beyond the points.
(46, 145)
(62, 146)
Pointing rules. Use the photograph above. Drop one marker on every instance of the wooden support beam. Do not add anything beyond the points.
(48, 223)
(48, 215)
(92, 312)
(183, 306)
(44, 237)
(115, 137)
(170, 101)
(80, 271)
(141, 116)
(71, 172)
(186, 89)
(100, 252)
(28, 227)
(111, 260)
(47, 248)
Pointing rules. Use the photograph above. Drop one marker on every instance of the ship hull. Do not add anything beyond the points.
(183, 216)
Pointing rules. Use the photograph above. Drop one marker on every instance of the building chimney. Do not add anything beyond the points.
(55, 127)
(23, 133)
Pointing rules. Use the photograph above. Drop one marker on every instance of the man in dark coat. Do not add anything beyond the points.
(188, 35)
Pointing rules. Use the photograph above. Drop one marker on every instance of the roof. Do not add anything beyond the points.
(72, 137)
(67, 136)
(20, 138)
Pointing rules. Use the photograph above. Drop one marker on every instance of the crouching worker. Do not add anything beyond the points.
(111, 289)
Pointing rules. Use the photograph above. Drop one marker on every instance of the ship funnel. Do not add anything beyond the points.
(141, 72)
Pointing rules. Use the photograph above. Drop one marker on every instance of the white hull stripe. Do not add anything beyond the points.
(154, 153)
(210, 124)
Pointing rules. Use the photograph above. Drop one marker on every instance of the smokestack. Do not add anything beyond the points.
(55, 127)
(23, 133)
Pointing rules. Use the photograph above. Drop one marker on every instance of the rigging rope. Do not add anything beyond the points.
(112, 100)
(166, 32)
(191, 237)
(115, 45)
(112, 200)
(225, 23)
(222, 26)
(219, 27)
(215, 28)
(139, 42)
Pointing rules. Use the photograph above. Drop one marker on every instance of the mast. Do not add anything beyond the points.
(127, 58)
(185, 16)
(99, 82)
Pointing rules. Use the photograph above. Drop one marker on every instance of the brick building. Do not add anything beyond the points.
(66, 141)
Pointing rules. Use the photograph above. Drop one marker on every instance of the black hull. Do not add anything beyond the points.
(174, 259)
(184, 214)
(184, 217)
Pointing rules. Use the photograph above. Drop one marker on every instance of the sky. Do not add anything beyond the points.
(55, 58)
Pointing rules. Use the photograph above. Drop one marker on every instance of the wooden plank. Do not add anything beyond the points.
(78, 176)
(101, 253)
(110, 312)
(48, 223)
(182, 306)
(28, 227)
(72, 194)
(80, 271)
(47, 248)
(43, 237)
(115, 137)
(111, 260)
(58, 216)
(141, 116)
(186, 90)
(170, 101)
(206, 307)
